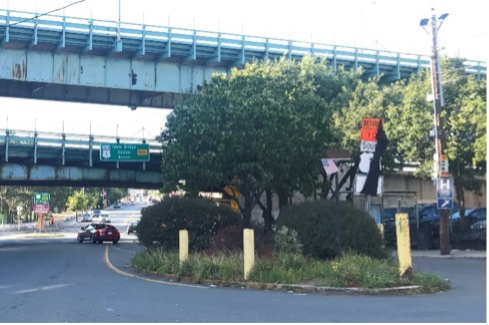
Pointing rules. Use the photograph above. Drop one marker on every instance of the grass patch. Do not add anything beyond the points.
(430, 282)
(351, 271)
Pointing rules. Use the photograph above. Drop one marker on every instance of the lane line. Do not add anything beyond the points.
(116, 270)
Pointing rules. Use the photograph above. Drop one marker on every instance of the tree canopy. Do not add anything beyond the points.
(264, 128)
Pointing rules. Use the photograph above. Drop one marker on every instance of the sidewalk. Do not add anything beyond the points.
(456, 255)
(31, 227)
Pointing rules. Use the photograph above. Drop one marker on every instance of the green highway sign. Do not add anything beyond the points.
(41, 198)
(124, 152)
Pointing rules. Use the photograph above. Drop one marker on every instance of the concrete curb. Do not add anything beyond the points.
(451, 257)
(129, 275)
(406, 290)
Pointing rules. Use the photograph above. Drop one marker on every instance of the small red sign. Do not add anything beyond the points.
(41, 208)
(367, 134)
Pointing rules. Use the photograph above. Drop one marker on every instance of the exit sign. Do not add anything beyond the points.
(41, 198)
(124, 152)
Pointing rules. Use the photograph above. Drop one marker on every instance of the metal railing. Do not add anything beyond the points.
(73, 140)
(271, 47)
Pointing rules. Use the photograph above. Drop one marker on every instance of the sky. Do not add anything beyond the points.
(378, 24)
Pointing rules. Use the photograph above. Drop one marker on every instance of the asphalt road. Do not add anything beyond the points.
(59, 280)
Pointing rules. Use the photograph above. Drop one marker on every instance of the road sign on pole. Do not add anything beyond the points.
(124, 152)
(444, 166)
(41, 208)
(42, 198)
(444, 193)
(446, 204)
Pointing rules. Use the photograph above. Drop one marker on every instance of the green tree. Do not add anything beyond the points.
(409, 121)
(464, 115)
(81, 201)
(115, 194)
(261, 129)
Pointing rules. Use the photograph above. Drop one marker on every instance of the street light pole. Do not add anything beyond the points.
(362, 11)
(438, 104)
(119, 24)
(118, 41)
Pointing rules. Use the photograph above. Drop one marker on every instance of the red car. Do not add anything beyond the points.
(107, 233)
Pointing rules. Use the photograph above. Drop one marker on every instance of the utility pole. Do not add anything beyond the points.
(439, 103)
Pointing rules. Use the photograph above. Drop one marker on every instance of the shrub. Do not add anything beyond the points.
(229, 239)
(161, 223)
(314, 223)
(287, 241)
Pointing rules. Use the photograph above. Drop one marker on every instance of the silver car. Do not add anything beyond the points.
(105, 217)
(86, 218)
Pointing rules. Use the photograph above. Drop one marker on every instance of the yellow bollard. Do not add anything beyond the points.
(403, 245)
(249, 251)
(183, 245)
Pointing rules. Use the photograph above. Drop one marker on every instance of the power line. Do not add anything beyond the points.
(47, 13)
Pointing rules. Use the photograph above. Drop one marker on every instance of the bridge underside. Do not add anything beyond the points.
(87, 94)
(39, 175)
(114, 80)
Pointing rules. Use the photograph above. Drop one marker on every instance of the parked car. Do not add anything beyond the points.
(472, 215)
(132, 227)
(107, 233)
(424, 232)
(475, 233)
(86, 232)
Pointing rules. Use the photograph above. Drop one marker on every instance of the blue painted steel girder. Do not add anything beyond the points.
(87, 64)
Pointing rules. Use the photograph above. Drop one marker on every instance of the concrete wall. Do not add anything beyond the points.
(426, 192)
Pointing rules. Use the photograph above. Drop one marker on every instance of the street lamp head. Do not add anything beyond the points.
(424, 22)
(442, 17)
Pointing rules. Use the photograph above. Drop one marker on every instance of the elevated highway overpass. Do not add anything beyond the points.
(82, 60)
(52, 159)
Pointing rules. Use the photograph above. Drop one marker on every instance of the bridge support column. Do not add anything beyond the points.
(63, 141)
(90, 149)
(7, 140)
(35, 148)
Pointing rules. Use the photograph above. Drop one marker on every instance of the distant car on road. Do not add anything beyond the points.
(132, 227)
(101, 218)
(117, 206)
(86, 218)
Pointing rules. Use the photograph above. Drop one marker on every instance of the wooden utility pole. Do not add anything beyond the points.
(439, 131)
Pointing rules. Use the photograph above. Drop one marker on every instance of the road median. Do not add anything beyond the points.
(352, 274)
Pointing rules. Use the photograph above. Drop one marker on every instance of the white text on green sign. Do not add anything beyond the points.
(124, 152)
(41, 198)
